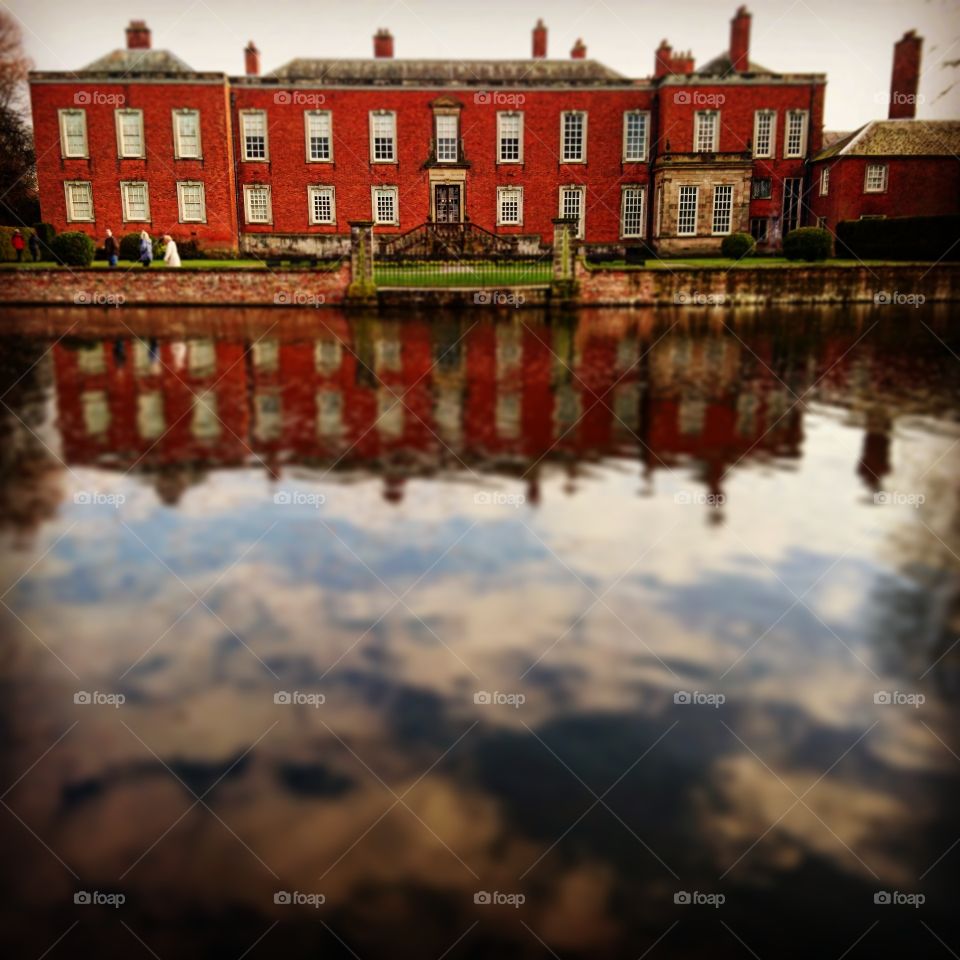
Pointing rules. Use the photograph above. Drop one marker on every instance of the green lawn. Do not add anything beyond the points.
(748, 263)
(462, 274)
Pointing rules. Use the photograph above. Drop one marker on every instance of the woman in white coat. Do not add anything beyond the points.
(171, 256)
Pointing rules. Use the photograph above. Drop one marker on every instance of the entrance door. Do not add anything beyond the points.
(447, 202)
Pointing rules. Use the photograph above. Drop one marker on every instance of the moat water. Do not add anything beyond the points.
(623, 634)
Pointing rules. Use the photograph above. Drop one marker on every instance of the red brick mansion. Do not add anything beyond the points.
(285, 160)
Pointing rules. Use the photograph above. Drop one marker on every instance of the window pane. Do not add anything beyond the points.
(722, 208)
(318, 125)
(509, 136)
(687, 211)
(633, 212)
(636, 134)
(254, 136)
(188, 135)
(322, 206)
(573, 136)
(258, 204)
(510, 206)
(446, 138)
(135, 201)
(75, 133)
(383, 136)
(706, 132)
(763, 133)
(80, 201)
(385, 206)
(131, 135)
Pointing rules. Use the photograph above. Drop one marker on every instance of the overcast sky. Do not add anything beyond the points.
(849, 40)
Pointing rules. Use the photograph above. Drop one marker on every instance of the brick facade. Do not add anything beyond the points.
(542, 90)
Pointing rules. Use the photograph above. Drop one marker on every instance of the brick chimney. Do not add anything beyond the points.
(740, 41)
(138, 35)
(662, 59)
(539, 41)
(906, 76)
(579, 51)
(251, 59)
(383, 44)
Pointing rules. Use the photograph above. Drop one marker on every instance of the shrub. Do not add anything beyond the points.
(130, 246)
(737, 245)
(6, 243)
(900, 238)
(73, 248)
(807, 243)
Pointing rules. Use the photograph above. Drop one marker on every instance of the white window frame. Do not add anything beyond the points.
(121, 145)
(714, 116)
(307, 115)
(582, 190)
(244, 115)
(181, 185)
(564, 158)
(68, 200)
(393, 139)
(501, 193)
(771, 149)
(64, 140)
(385, 188)
(624, 190)
(312, 192)
(518, 115)
(178, 153)
(824, 180)
(791, 115)
(696, 209)
(645, 116)
(720, 192)
(125, 203)
(438, 119)
(248, 190)
(884, 178)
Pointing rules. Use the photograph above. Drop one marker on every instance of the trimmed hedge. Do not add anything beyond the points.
(737, 245)
(73, 249)
(6, 245)
(807, 243)
(900, 238)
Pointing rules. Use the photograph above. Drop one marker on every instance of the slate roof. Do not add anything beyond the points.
(480, 73)
(904, 138)
(137, 62)
(722, 66)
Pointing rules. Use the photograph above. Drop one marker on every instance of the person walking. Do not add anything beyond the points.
(111, 248)
(17, 241)
(146, 249)
(171, 256)
(34, 243)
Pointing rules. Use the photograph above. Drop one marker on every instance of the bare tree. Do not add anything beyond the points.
(18, 195)
(13, 62)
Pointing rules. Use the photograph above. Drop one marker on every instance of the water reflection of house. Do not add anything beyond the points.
(408, 397)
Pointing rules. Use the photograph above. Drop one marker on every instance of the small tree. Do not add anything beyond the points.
(73, 249)
(737, 245)
(807, 243)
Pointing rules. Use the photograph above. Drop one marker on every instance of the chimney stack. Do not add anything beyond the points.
(251, 59)
(662, 59)
(579, 51)
(138, 35)
(906, 76)
(539, 41)
(383, 44)
(740, 41)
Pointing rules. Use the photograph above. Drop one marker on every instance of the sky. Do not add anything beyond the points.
(849, 40)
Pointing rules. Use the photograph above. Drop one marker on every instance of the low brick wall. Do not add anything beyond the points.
(763, 285)
(165, 287)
